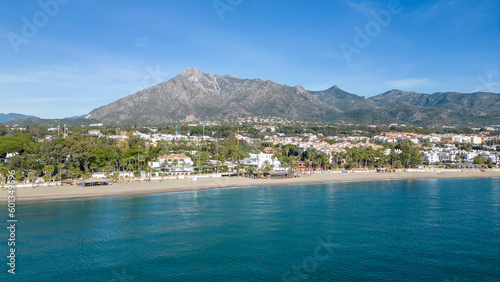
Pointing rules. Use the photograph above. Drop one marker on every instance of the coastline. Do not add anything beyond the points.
(48, 193)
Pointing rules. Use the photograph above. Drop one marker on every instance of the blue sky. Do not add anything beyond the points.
(83, 54)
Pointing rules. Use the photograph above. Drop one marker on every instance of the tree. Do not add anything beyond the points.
(3, 130)
(479, 160)
(141, 159)
(94, 167)
(48, 170)
(75, 173)
(59, 169)
(266, 163)
(31, 175)
(19, 175)
(4, 173)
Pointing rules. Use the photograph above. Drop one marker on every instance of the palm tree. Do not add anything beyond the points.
(130, 160)
(294, 163)
(248, 171)
(241, 168)
(59, 169)
(267, 163)
(175, 164)
(4, 172)
(18, 175)
(48, 170)
(130, 167)
(31, 175)
(141, 159)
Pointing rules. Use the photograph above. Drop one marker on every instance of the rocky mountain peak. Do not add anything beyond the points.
(191, 74)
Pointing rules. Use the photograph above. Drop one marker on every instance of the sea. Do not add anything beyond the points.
(388, 230)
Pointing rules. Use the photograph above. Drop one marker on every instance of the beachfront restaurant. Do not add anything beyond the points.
(277, 174)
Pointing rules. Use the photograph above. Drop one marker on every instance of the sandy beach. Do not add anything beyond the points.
(44, 193)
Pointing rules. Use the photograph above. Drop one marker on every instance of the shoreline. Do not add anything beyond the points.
(136, 188)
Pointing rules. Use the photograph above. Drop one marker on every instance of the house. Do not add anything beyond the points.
(431, 157)
(434, 139)
(176, 163)
(261, 160)
(476, 140)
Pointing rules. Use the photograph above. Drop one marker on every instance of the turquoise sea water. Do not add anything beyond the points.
(415, 230)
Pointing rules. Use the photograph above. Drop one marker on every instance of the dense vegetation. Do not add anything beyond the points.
(78, 155)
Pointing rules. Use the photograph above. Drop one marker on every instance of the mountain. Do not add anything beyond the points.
(441, 107)
(356, 109)
(208, 96)
(480, 102)
(4, 118)
(343, 100)
(51, 122)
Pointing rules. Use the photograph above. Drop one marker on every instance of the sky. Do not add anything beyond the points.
(63, 58)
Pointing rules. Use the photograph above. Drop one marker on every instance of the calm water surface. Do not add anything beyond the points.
(416, 230)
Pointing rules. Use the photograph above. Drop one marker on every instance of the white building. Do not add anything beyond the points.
(465, 139)
(176, 163)
(431, 157)
(261, 160)
(476, 140)
(435, 139)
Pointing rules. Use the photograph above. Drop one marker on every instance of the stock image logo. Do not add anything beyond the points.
(32, 25)
(372, 29)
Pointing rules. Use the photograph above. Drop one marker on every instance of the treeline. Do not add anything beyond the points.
(402, 155)
(79, 155)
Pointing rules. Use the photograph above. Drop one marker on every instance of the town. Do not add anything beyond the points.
(251, 147)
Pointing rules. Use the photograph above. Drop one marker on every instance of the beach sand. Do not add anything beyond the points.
(44, 193)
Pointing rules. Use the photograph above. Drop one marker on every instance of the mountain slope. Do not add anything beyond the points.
(343, 100)
(479, 102)
(208, 96)
(441, 108)
(12, 116)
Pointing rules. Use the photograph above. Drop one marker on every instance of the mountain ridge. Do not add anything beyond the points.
(210, 97)
(4, 118)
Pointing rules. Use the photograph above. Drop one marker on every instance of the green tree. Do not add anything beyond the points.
(48, 170)
(479, 160)
(4, 173)
(32, 175)
(3, 130)
(60, 167)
